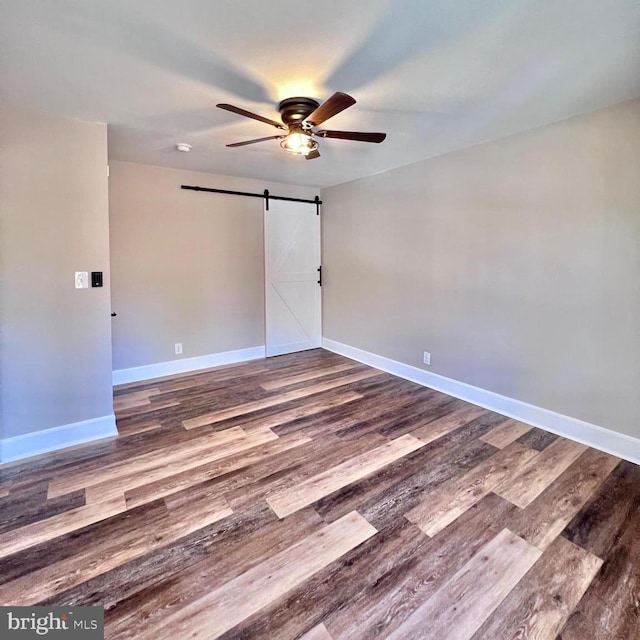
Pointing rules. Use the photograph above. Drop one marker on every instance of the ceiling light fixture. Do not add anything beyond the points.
(184, 147)
(298, 142)
(300, 116)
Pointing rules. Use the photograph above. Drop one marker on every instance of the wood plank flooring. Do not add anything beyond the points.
(311, 497)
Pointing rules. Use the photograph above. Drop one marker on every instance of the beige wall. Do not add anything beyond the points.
(516, 263)
(55, 347)
(186, 266)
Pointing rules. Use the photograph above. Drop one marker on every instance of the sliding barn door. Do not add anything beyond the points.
(292, 292)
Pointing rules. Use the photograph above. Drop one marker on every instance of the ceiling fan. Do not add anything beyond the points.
(300, 117)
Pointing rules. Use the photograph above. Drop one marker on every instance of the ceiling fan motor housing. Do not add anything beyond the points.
(295, 110)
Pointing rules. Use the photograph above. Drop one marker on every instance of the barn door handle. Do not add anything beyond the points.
(320, 275)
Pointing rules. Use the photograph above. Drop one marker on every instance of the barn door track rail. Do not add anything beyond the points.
(266, 195)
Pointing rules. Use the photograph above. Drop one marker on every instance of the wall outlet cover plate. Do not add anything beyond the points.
(82, 279)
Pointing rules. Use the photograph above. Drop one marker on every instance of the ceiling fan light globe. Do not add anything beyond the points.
(299, 144)
(296, 141)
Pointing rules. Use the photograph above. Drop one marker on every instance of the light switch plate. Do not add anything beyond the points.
(82, 280)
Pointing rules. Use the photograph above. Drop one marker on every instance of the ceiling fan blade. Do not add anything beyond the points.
(241, 144)
(352, 135)
(313, 155)
(335, 104)
(249, 114)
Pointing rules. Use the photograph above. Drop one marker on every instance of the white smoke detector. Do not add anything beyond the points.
(184, 147)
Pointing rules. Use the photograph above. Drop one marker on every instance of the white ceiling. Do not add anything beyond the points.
(436, 75)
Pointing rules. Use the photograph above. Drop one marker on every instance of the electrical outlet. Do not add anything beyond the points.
(178, 348)
(426, 358)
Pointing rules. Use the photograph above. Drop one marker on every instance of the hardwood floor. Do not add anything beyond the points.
(309, 496)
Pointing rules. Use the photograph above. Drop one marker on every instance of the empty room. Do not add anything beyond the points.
(320, 321)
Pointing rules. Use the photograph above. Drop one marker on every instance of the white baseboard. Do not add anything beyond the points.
(184, 365)
(47, 440)
(617, 444)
